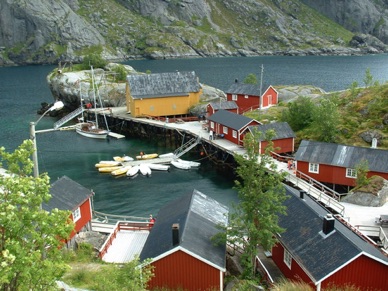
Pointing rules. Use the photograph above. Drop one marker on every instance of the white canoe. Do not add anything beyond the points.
(180, 165)
(190, 163)
(121, 171)
(133, 171)
(145, 169)
(123, 159)
(159, 167)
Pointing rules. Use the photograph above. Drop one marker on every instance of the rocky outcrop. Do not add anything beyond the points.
(48, 31)
(364, 198)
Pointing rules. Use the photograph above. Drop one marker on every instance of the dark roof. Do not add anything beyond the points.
(198, 216)
(282, 130)
(244, 89)
(230, 119)
(224, 105)
(163, 84)
(318, 255)
(342, 155)
(67, 195)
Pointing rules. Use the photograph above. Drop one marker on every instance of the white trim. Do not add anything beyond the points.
(234, 133)
(234, 97)
(353, 173)
(287, 258)
(76, 214)
(314, 165)
(224, 129)
(246, 96)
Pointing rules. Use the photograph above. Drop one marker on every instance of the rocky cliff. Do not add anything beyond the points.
(49, 31)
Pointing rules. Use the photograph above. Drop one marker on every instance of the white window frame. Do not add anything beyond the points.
(313, 168)
(287, 258)
(225, 130)
(77, 214)
(211, 124)
(234, 133)
(234, 97)
(351, 173)
(246, 96)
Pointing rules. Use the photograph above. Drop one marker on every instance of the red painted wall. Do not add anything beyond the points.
(210, 110)
(218, 129)
(333, 174)
(180, 270)
(296, 273)
(285, 145)
(245, 103)
(86, 216)
(270, 97)
(364, 273)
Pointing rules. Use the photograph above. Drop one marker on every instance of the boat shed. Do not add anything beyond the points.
(67, 194)
(248, 96)
(230, 126)
(336, 163)
(213, 107)
(321, 250)
(283, 140)
(181, 248)
(162, 94)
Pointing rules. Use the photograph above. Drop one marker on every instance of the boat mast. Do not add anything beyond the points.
(94, 98)
(261, 86)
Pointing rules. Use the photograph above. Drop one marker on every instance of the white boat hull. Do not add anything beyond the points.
(190, 163)
(159, 167)
(179, 165)
(145, 169)
(88, 129)
(133, 171)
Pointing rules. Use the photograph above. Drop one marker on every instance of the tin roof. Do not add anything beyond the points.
(224, 105)
(244, 89)
(230, 119)
(320, 255)
(282, 130)
(66, 195)
(163, 84)
(199, 217)
(342, 155)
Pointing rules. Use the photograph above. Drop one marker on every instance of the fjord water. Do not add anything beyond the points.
(22, 89)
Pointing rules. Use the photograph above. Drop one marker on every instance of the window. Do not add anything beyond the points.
(287, 258)
(211, 124)
(234, 97)
(224, 130)
(313, 168)
(76, 214)
(351, 173)
(234, 133)
(246, 96)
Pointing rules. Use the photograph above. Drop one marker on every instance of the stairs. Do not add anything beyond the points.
(187, 147)
(68, 117)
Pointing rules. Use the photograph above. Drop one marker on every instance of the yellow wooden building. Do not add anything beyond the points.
(162, 94)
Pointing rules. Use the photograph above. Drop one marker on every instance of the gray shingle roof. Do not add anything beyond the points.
(342, 155)
(163, 84)
(224, 105)
(318, 255)
(282, 130)
(244, 89)
(230, 119)
(198, 216)
(66, 195)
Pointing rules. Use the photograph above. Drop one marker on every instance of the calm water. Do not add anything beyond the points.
(22, 89)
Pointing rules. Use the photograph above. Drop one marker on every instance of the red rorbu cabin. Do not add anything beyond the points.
(230, 126)
(69, 195)
(213, 107)
(336, 164)
(180, 245)
(248, 97)
(321, 250)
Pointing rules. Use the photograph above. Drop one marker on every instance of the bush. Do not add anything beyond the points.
(94, 60)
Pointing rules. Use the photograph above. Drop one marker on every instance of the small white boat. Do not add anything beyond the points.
(145, 169)
(133, 171)
(180, 165)
(168, 155)
(102, 164)
(123, 159)
(159, 167)
(91, 129)
(190, 163)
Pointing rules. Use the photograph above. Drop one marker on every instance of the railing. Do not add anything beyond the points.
(68, 117)
(263, 270)
(172, 119)
(123, 225)
(187, 146)
(375, 231)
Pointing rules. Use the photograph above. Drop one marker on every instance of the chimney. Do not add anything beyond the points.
(175, 234)
(328, 224)
(302, 193)
(374, 143)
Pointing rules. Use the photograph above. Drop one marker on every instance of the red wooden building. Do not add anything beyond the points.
(248, 97)
(322, 251)
(69, 195)
(230, 126)
(283, 140)
(213, 107)
(181, 248)
(336, 164)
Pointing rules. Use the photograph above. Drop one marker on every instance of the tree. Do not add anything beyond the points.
(325, 120)
(261, 192)
(362, 169)
(94, 60)
(299, 114)
(31, 238)
(368, 78)
(250, 79)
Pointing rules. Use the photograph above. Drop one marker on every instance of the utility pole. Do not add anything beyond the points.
(261, 86)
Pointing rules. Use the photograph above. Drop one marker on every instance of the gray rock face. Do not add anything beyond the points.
(368, 199)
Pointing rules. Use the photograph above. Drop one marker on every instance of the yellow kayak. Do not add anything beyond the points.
(120, 171)
(146, 157)
(108, 169)
(104, 164)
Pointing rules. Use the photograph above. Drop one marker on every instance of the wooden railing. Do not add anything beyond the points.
(263, 271)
